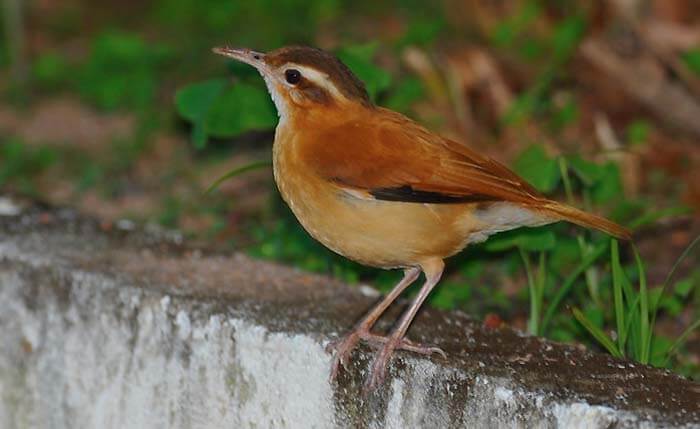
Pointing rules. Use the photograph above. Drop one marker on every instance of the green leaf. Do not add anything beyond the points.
(692, 60)
(565, 115)
(609, 186)
(240, 108)
(217, 109)
(638, 132)
(684, 287)
(672, 305)
(588, 172)
(567, 255)
(566, 37)
(194, 101)
(528, 239)
(199, 135)
(597, 333)
(603, 181)
(535, 166)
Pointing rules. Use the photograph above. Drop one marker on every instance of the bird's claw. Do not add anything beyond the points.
(343, 348)
(387, 345)
(381, 362)
(377, 341)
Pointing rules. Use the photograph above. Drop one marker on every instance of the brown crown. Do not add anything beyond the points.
(341, 76)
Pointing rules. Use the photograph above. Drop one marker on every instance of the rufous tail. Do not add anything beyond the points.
(588, 220)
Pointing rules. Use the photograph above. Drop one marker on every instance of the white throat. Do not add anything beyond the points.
(280, 102)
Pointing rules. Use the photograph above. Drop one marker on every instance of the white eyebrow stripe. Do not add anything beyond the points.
(319, 78)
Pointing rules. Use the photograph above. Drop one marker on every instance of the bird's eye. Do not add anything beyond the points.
(292, 76)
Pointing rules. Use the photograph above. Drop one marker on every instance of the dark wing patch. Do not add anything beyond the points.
(407, 194)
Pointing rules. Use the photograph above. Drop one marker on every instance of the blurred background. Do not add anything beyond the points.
(120, 110)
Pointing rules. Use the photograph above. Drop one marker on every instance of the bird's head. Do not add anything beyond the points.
(301, 79)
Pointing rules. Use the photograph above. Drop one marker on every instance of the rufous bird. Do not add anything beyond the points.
(380, 189)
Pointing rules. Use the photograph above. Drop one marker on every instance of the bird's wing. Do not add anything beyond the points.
(392, 158)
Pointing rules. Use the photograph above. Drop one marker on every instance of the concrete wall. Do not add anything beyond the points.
(116, 329)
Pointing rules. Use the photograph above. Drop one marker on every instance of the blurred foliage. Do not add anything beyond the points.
(122, 71)
(262, 22)
(22, 164)
(538, 169)
(359, 59)
(692, 60)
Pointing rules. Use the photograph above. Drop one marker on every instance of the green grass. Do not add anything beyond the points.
(635, 314)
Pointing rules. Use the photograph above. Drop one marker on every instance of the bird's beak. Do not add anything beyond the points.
(255, 59)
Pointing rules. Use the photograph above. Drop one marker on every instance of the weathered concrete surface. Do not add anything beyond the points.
(102, 327)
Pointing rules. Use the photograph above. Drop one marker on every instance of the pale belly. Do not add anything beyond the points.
(383, 234)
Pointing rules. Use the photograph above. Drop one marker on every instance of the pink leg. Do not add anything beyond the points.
(344, 346)
(433, 270)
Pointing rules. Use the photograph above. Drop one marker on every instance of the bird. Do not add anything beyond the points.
(380, 189)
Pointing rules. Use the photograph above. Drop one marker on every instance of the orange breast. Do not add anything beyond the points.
(384, 234)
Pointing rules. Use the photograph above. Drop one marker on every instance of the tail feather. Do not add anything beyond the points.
(588, 220)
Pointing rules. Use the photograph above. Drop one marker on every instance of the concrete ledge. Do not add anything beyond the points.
(102, 327)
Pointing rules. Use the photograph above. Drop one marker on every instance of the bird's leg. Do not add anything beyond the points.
(433, 271)
(343, 347)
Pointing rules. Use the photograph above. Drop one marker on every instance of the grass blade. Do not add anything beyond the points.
(680, 259)
(632, 321)
(590, 258)
(617, 296)
(534, 310)
(237, 171)
(653, 216)
(665, 284)
(597, 333)
(644, 331)
(681, 339)
(541, 279)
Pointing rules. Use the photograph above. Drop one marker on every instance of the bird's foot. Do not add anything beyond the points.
(378, 341)
(343, 348)
(387, 346)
